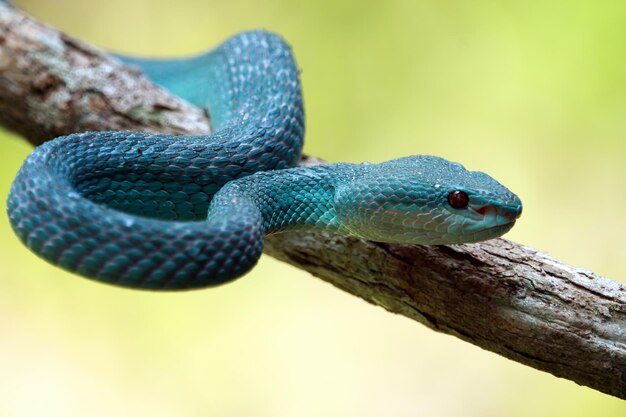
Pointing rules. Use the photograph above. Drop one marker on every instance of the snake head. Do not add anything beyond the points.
(424, 200)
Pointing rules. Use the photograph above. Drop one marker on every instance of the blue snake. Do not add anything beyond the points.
(156, 211)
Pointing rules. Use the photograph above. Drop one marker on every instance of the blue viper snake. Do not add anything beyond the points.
(156, 211)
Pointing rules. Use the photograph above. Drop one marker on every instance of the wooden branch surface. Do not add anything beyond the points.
(499, 295)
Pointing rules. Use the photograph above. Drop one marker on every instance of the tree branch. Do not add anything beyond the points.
(499, 295)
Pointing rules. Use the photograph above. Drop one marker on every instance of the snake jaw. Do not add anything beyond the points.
(491, 220)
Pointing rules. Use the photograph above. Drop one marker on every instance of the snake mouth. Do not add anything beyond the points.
(500, 215)
(491, 221)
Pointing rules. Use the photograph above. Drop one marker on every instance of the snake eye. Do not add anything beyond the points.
(458, 199)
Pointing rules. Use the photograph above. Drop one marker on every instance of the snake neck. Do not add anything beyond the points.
(290, 199)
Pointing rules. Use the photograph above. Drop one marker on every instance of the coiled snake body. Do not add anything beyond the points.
(163, 212)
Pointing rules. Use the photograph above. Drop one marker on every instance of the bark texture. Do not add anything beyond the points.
(499, 295)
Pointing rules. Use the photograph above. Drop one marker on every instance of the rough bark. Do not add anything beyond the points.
(499, 295)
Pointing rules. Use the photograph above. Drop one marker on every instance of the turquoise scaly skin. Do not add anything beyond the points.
(163, 212)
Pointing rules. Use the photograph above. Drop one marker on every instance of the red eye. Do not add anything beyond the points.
(458, 199)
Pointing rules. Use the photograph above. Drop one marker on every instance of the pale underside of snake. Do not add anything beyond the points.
(164, 212)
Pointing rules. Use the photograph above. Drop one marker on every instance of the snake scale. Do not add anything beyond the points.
(163, 212)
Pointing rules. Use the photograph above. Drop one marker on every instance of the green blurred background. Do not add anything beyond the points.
(532, 92)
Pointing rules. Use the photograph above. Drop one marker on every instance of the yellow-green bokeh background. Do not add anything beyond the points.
(531, 91)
